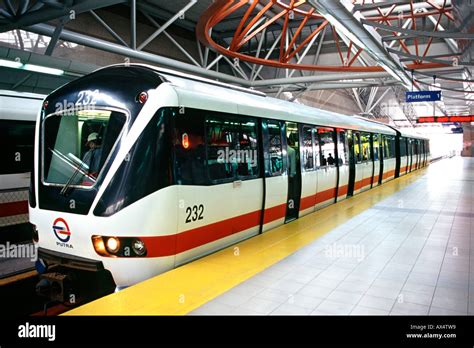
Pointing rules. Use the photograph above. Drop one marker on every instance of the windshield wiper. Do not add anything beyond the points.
(73, 176)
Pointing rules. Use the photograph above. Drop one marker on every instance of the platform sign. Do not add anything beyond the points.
(422, 96)
(445, 119)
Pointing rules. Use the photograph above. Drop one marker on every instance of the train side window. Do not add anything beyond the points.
(189, 146)
(357, 152)
(16, 142)
(231, 148)
(326, 144)
(247, 166)
(307, 149)
(403, 147)
(385, 149)
(392, 145)
(275, 150)
(375, 146)
(365, 146)
(342, 147)
(317, 157)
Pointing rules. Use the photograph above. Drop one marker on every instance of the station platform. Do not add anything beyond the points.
(403, 248)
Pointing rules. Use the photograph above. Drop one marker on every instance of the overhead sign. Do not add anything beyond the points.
(422, 96)
(445, 119)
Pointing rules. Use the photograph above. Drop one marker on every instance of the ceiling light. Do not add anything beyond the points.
(10, 64)
(43, 70)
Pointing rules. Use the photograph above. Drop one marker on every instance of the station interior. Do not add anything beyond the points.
(384, 228)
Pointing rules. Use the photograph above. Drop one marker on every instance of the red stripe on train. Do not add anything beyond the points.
(196, 237)
(13, 208)
(174, 244)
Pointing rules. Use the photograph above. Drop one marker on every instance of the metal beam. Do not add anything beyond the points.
(418, 33)
(55, 38)
(176, 43)
(107, 46)
(108, 28)
(351, 25)
(167, 24)
(321, 78)
(45, 15)
(133, 24)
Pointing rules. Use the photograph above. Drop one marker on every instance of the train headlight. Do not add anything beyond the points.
(119, 246)
(99, 245)
(112, 244)
(138, 247)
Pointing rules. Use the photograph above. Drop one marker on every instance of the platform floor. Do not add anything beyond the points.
(401, 248)
(410, 254)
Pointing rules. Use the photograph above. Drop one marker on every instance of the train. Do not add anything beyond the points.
(140, 169)
(18, 115)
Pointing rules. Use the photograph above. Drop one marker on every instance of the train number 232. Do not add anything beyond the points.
(194, 213)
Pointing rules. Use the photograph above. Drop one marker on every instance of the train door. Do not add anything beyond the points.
(343, 167)
(403, 156)
(415, 154)
(275, 178)
(327, 169)
(359, 163)
(352, 163)
(398, 157)
(423, 157)
(294, 171)
(378, 159)
(420, 154)
(309, 162)
(409, 155)
(367, 162)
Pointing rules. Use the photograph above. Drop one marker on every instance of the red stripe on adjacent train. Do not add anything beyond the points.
(13, 208)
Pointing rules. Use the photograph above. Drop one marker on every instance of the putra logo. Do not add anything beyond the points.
(37, 331)
(62, 232)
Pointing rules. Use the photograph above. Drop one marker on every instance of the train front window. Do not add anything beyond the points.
(76, 145)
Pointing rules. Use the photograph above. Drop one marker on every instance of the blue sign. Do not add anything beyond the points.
(422, 96)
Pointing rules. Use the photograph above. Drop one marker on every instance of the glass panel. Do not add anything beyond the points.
(275, 148)
(376, 146)
(391, 143)
(326, 142)
(293, 147)
(403, 147)
(357, 152)
(365, 145)
(190, 148)
(16, 142)
(231, 147)
(342, 148)
(308, 162)
(317, 157)
(77, 145)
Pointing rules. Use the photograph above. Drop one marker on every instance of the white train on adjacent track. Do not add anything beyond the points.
(18, 114)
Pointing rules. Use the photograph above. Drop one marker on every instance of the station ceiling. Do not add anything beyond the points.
(361, 46)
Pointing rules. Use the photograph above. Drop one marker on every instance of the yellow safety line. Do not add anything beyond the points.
(186, 288)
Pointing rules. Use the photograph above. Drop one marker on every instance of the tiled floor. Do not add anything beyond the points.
(408, 255)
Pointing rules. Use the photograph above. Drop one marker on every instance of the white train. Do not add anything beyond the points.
(139, 170)
(18, 114)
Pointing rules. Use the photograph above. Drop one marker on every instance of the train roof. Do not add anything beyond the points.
(20, 106)
(200, 92)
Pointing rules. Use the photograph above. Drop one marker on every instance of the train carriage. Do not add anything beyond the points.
(185, 166)
(18, 114)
